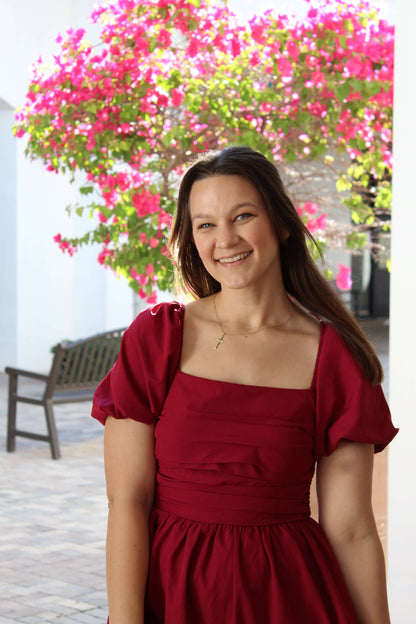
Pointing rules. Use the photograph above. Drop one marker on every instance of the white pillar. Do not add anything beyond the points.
(402, 458)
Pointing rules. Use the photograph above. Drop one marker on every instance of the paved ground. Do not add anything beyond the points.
(52, 522)
(53, 515)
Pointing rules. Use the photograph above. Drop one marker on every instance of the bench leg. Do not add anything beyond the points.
(53, 436)
(11, 414)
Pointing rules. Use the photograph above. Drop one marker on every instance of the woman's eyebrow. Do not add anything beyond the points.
(201, 216)
(238, 206)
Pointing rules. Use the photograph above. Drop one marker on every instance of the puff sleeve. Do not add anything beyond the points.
(138, 383)
(348, 406)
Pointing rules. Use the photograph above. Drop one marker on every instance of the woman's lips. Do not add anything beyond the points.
(235, 258)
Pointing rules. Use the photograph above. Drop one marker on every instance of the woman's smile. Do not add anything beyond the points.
(234, 259)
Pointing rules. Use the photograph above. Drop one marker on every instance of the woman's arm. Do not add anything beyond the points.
(130, 475)
(344, 483)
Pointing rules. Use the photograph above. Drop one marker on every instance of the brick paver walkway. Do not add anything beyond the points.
(53, 516)
(53, 522)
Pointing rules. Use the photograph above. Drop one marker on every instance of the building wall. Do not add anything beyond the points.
(402, 459)
(44, 295)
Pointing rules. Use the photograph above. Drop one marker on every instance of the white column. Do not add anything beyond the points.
(8, 243)
(402, 458)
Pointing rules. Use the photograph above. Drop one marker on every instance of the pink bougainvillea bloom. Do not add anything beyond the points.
(153, 243)
(312, 225)
(310, 207)
(103, 255)
(293, 50)
(149, 269)
(152, 298)
(285, 66)
(177, 97)
(354, 65)
(343, 279)
(57, 238)
(321, 222)
(235, 47)
(142, 279)
(122, 181)
(164, 218)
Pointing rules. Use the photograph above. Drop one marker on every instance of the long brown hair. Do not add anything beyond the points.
(302, 279)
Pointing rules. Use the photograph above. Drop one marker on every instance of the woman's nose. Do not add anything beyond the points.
(226, 237)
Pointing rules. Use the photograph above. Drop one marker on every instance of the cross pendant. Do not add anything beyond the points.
(219, 340)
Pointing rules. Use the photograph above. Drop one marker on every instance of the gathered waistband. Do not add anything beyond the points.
(242, 506)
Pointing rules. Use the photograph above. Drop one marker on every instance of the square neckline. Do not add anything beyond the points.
(322, 327)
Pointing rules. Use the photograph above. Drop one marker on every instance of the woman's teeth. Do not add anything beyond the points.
(234, 258)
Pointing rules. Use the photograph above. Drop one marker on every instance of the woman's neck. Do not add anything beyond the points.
(246, 310)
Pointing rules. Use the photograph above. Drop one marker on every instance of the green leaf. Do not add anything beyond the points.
(85, 190)
(342, 91)
(343, 184)
(356, 240)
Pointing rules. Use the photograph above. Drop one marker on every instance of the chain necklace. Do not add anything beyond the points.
(220, 340)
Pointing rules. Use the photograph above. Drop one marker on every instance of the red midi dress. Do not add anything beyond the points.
(232, 540)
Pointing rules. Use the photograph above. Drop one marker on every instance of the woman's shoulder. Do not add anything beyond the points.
(335, 359)
(165, 313)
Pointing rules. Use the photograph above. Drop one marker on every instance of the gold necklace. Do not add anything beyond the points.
(220, 340)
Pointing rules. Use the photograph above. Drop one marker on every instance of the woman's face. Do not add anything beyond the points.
(233, 233)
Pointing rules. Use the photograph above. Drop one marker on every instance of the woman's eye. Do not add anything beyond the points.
(242, 216)
(204, 226)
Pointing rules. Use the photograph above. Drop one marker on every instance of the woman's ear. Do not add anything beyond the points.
(284, 236)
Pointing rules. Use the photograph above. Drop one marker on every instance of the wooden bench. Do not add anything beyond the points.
(77, 368)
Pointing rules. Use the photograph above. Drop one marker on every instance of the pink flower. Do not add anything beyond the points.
(321, 221)
(153, 243)
(310, 207)
(149, 269)
(343, 279)
(354, 65)
(177, 97)
(152, 298)
(312, 225)
(257, 32)
(285, 66)
(164, 218)
(164, 38)
(235, 47)
(145, 203)
(103, 255)
(57, 238)
(293, 50)
(122, 181)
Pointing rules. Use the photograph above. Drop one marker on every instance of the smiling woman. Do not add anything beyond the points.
(217, 413)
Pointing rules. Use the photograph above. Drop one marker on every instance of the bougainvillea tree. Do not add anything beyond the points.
(172, 78)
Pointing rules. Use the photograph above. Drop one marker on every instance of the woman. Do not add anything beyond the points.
(217, 412)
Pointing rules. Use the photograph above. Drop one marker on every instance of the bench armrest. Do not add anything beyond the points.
(17, 371)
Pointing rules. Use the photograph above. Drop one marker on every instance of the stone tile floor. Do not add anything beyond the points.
(53, 515)
(53, 522)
